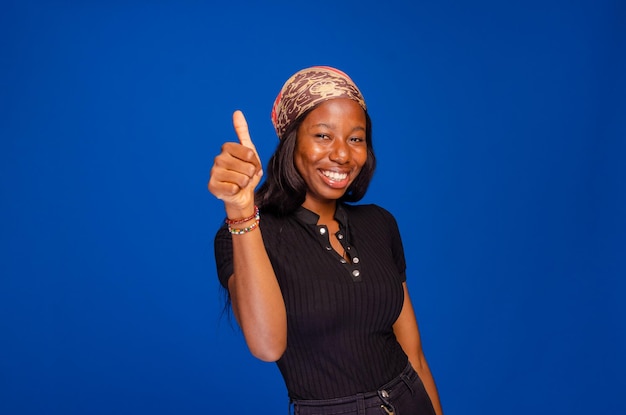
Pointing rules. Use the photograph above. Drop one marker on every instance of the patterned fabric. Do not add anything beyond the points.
(308, 88)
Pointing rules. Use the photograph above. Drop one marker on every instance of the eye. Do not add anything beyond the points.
(322, 136)
(357, 139)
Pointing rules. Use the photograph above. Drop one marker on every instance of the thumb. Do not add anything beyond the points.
(241, 128)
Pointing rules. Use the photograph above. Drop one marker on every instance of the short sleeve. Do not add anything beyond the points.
(397, 247)
(223, 249)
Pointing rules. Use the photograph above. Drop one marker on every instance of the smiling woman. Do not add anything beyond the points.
(317, 283)
(331, 149)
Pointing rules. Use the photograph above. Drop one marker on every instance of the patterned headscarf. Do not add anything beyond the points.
(308, 88)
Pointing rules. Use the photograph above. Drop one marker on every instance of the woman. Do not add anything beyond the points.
(317, 284)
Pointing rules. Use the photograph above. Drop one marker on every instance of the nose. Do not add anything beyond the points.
(340, 152)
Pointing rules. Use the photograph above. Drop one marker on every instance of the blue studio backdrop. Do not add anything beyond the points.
(500, 133)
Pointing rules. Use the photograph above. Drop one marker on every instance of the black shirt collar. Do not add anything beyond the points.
(308, 217)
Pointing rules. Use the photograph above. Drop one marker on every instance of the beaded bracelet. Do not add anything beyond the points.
(244, 220)
(256, 217)
(244, 230)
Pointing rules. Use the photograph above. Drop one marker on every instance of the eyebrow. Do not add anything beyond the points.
(332, 127)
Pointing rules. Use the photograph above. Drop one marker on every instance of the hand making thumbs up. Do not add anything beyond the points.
(236, 171)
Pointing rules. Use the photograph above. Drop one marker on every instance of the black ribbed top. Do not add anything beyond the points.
(340, 340)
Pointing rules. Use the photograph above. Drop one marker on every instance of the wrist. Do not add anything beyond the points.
(238, 220)
(235, 213)
(243, 225)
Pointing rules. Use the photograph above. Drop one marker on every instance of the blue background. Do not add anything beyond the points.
(500, 131)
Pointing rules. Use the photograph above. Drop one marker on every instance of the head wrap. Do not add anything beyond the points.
(308, 88)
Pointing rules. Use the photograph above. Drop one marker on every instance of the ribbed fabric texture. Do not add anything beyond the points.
(340, 339)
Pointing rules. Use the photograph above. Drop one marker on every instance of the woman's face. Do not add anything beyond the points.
(331, 149)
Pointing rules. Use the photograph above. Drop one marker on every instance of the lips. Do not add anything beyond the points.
(336, 180)
(335, 176)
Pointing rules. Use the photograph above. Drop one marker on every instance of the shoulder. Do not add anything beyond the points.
(372, 218)
(275, 227)
(369, 211)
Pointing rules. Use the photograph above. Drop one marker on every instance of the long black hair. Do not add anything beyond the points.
(284, 189)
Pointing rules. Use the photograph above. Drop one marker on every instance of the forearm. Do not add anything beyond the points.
(408, 336)
(421, 367)
(256, 298)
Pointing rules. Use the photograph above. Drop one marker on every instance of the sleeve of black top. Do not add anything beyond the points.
(396, 245)
(223, 249)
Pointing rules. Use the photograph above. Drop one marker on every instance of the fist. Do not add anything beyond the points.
(237, 169)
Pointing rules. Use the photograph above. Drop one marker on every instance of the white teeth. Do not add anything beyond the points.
(334, 175)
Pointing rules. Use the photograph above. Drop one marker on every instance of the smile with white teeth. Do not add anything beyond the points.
(335, 175)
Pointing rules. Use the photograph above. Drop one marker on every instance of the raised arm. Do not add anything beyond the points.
(256, 297)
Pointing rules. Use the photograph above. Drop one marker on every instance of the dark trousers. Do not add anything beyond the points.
(404, 395)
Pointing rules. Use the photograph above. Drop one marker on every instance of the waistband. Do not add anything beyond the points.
(362, 400)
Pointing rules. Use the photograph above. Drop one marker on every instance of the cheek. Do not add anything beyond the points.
(301, 161)
(297, 161)
(304, 157)
(360, 158)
